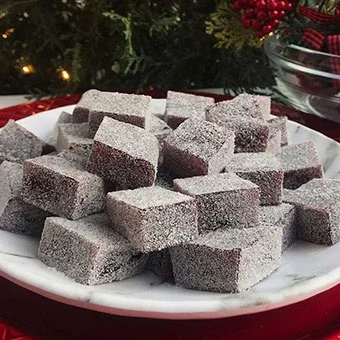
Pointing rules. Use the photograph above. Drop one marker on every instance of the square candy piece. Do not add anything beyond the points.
(318, 210)
(64, 118)
(158, 128)
(124, 154)
(282, 216)
(197, 147)
(17, 216)
(88, 250)
(281, 123)
(18, 144)
(128, 108)
(87, 102)
(274, 139)
(62, 187)
(181, 106)
(242, 106)
(264, 170)
(300, 163)
(153, 218)
(251, 135)
(159, 263)
(223, 200)
(227, 261)
(73, 136)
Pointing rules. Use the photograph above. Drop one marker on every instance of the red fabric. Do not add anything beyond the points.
(27, 316)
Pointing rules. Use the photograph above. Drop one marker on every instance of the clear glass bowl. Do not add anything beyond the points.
(306, 78)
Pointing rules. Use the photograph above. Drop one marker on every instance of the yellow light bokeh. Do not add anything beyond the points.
(7, 33)
(27, 69)
(65, 75)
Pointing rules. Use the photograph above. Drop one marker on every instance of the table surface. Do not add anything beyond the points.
(27, 316)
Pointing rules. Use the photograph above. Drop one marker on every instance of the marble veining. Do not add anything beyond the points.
(306, 269)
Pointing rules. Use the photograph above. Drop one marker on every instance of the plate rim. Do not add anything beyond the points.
(259, 301)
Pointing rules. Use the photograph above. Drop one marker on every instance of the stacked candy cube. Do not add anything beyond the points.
(194, 195)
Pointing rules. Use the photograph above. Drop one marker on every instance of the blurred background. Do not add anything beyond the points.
(50, 48)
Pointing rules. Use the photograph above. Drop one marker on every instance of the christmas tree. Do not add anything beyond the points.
(69, 46)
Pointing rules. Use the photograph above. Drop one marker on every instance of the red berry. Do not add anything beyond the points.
(261, 15)
(281, 5)
(256, 23)
(272, 5)
(261, 4)
(249, 13)
(273, 14)
(267, 29)
(289, 6)
(281, 14)
(275, 23)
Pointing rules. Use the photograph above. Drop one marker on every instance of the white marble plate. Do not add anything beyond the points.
(306, 269)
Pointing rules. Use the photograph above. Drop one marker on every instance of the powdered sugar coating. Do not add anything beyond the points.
(281, 123)
(300, 163)
(227, 261)
(274, 138)
(281, 216)
(223, 200)
(181, 106)
(62, 187)
(242, 106)
(145, 198)
(251, 135)
(18, 144)
(153, 218)
(124, 154)
(318, 210)
(197, 147)
(264, 170)
(159, 263)
(63, 118)
(15, 215)
(87, 102)
(89, 250)
(73, 136)
(128, 108)
(158, 128)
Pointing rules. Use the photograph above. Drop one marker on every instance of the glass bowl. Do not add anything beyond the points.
(306, 77)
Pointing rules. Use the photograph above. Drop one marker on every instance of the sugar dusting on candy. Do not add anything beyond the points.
(87, 102)
(223, 200)
(89, 250)
(18, 144)
(153, 218)
(301, 163)
(227, 261)
(181, 106)
(262, 169)
(318, 210)
(124, 154)
(62, 187)
(73, 136)
(197, 147)
(281, 216)
(251, 135)
(17, 216)
(128, 108)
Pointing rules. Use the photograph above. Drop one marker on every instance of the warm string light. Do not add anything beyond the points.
(65, 75)
(7, 33)
(27, 69)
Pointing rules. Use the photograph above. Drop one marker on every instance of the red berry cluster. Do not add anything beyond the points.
(262, 15)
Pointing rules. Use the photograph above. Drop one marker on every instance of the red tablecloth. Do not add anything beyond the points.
(27, 316)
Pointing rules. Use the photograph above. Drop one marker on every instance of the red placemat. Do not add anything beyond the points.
(27, 316)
